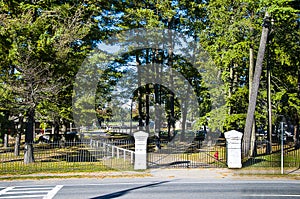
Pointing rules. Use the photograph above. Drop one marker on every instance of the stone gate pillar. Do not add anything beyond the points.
(140, 160)
(234, 148)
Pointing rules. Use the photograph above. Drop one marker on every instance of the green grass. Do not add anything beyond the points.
(291, 159)
(19, 168)
(49, 159)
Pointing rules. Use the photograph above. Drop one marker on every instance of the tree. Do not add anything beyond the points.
(255, 85)
(282, 14)
(228, 37)
(284, 64)
(42, 43)
(175, 15)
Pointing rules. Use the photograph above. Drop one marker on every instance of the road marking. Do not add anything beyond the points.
(53, 192)
(23, 196)
(272, 195)
(3, 191)
(31, 188)
(24, 192)
(45, 192)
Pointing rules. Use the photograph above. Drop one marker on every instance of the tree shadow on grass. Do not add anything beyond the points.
(81, 155)
(126, 191)
(253, 161)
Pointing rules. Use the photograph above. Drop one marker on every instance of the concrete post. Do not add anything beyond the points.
(234, 148)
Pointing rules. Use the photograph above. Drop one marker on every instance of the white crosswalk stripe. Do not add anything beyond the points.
(42, 192)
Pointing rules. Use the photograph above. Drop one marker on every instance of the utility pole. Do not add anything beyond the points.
(269, 131)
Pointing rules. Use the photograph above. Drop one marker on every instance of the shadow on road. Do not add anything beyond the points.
(121, 193)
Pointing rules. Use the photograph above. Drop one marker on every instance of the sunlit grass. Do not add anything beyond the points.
(52, 167)
(291, 158)
(57, 159)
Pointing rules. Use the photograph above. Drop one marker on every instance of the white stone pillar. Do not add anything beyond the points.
(140, 161)
(234, 148)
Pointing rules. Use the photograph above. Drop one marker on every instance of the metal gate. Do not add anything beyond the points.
(195, 154)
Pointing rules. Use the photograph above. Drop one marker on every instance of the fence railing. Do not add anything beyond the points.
(91, 155)
(113, 150)
(286, 155)
(97, 153)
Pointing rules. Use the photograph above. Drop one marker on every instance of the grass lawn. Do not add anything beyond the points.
(13, 168)
(291, 159)
(54, 159)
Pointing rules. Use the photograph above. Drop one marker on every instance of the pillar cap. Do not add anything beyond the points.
(233, 134)
(140, 133)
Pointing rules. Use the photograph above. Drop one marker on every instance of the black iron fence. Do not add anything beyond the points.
(285, 155)
(97, 153)
(85, 155)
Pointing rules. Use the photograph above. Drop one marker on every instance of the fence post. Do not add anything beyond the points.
(282, 147)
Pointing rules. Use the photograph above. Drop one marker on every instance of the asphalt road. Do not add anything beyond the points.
(144, 188)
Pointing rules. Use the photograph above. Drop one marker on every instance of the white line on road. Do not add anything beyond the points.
(52, 193)
(272, 195)
(24, 192)
(3, 191)
(31, 188)
(45, 192)
(23, 196)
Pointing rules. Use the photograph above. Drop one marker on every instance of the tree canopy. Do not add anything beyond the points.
(43, 44)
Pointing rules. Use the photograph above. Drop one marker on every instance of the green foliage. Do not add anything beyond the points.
(44, 43)
(56, 36)
(233, 28)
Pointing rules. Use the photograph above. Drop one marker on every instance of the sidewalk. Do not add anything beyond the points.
(201, 173)
(164, 173)
(223, 173)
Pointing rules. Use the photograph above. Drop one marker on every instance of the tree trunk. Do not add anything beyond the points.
(64, 128)
(157, 123)
(171, 116)
(29, 156)
(20, 131)
(254, 89)
(17, 144)
(184, 108)
(296, 136)
(296, 126)
(5, 140)
(157, 96)
(140, 101)
(6, 131)
(251, 73)
(148, 97)
(231, 76)
(147, 109)
(55, 130)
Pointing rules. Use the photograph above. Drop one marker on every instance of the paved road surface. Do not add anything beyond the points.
(150, 188)
(169, 184)
(180, 189)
